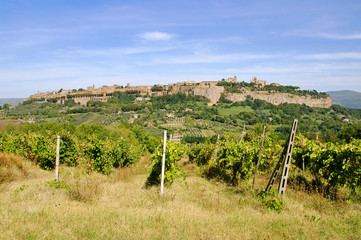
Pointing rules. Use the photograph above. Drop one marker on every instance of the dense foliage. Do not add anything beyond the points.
(96, 147)
(339, 165)
(234, 161)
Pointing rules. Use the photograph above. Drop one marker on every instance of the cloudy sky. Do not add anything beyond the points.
(51, 44)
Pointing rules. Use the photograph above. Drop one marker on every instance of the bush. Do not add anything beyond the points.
(271, 201)
(201, 153)
(174, 152)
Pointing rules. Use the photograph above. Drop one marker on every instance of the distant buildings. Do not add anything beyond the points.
(259, 83)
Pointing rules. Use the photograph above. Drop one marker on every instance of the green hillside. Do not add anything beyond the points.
(191, 116)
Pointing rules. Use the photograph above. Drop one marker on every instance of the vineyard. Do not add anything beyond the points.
(329, 166)
(95, 147)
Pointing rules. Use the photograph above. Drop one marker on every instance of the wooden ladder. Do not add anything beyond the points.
(285, 159)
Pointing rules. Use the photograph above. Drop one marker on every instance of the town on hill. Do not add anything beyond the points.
(230, 89)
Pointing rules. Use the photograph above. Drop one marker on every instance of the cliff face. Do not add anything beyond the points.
(213, 93)
(279, 98)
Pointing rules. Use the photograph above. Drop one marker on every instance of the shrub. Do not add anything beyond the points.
(271, 201)
(201, 153)
(174, 152)
(85, 188)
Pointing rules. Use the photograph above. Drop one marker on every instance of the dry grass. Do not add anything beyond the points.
(13, 167)
(200, 209)
(85, 188)
(6, 122)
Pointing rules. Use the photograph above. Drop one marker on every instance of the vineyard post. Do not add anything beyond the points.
(244, 128)
(215, 152)
(141, 154)
(163, 162)
(259, 157)
(303, 158)
(170, 137)
(57, 158)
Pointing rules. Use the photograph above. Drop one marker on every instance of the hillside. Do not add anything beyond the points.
(189, 115)
(231, 89)
(11, 101)
(346, 98)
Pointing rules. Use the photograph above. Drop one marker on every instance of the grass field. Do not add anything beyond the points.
(234, 110)
(119, 207)
(3, 123)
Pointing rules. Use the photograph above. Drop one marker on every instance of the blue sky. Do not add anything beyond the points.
(51, 44)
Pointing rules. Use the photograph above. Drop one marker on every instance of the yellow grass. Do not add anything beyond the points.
(13, 168)
(200, 209)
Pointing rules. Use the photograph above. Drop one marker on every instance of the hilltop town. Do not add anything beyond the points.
(212, 90)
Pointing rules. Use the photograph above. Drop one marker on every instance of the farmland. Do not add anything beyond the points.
(201, 209)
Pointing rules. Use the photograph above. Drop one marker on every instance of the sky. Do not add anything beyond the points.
(47, 45)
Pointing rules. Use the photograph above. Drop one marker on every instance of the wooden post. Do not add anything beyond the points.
(215, 152)
(259, 157)
(141, 154)
(57, 158)
(303, 158)
(244, 128)
(163, 163)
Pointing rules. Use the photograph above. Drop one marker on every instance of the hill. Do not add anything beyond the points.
(214, 91)
(189, 115)
(11, 101)
(346, 98)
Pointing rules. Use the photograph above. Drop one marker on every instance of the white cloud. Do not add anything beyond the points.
(213, 58)
(156, 36)
(341, 36)
(319, 34)
(332, 56)
(108, 52)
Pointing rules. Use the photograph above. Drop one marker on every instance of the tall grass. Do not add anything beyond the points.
(200, 209)
(13, 167)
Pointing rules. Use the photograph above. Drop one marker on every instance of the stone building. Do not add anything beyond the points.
(259, 83)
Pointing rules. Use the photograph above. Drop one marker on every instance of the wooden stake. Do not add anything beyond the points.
(163, 163)
(215, 152)
(259, 157)
(243, 132)
(303, 158)
(57, 158)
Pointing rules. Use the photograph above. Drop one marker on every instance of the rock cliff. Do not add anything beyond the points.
(213, 93)
(279, 98)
